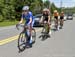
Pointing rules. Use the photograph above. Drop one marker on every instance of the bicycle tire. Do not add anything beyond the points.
(33, 36)
(21, 42)
(61, 23)
(56, 27)
(44, 32)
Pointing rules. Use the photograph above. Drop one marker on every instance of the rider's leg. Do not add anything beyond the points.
(61, 22)
(48, 27)
(55, 22)
(29, 37)
(28, 33)
(32, 26)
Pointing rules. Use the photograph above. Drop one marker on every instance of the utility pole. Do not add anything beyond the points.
(49, 5)
(61, 5)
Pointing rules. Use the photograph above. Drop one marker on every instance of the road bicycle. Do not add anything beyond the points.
(22, 39)
(45, 31)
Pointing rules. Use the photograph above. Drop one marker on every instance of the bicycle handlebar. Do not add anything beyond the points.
(21, 25)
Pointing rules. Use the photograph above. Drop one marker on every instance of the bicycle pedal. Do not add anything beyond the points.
(42, 32)
(60, 27)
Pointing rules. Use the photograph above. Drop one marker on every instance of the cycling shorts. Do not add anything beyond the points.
(61, 17)
(56, 17)
(45, 20)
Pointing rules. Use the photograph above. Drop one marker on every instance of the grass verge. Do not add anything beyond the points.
(8, 23)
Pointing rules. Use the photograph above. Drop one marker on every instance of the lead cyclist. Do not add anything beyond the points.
(29, 21)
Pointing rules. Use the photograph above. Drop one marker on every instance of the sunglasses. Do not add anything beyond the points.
(25, 10)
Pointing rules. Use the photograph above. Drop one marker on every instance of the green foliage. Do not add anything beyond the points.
(8, 23)
(1, 18)
(11, 9)
(47, 3)
(67, 10)
(53, 7)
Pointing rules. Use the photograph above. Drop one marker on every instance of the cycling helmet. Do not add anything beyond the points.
(25, 8)
(45, 9)
(55, 10)
(62, 12)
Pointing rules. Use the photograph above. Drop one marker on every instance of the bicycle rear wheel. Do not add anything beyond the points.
(61, 24)
(33, 36)
(21, 41)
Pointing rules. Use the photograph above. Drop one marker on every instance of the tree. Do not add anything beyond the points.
(11, 9)
(47, 3)
(1, 8)
(53, 7)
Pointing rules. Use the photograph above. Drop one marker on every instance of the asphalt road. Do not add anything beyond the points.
(61, 44)
(9, 31)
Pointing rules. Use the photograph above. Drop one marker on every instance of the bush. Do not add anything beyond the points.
(1, 18)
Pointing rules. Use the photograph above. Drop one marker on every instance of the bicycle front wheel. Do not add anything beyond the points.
(21, 41)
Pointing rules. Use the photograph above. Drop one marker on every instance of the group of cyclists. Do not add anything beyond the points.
(56, 17)
(46, 17)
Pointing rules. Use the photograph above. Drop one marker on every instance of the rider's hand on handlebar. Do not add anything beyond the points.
(17, 26)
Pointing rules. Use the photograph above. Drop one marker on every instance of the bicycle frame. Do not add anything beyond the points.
(23, 38)
(45, 27)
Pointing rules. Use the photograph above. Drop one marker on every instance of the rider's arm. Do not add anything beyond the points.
(30, 20)
(41, 18)
(21, 19)
(48, 18)
(58, 14)
(31, 16)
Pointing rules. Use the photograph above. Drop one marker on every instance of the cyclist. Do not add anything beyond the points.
(56, 14)
(46, 17)
(29, 21)
(61, 18)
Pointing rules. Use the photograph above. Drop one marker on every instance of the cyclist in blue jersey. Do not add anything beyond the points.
(29, 21)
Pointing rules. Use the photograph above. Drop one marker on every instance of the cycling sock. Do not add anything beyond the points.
(30, 40)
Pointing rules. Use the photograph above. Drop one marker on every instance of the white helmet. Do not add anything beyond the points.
(45, 9)
(25, 8)
(55, 10)
(62, 12)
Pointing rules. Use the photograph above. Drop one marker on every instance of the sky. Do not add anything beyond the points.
(65, 3)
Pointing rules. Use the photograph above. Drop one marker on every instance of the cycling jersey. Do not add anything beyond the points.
(27, 18)
(62, 16)
(45, 17)
(56, 14)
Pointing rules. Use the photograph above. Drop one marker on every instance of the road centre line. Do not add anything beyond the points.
(10, 39)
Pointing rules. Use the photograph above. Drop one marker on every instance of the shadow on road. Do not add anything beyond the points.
(22, 47)
(44, 37)
(53, 29)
